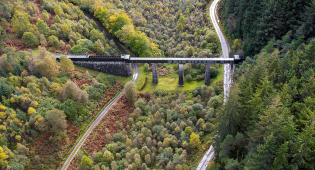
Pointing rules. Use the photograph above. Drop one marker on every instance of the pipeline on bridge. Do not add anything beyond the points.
(127, 59)
(122, 68)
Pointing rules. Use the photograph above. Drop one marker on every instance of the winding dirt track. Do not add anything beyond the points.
(226, 80)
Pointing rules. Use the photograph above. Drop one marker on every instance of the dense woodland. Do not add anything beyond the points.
(256, 23)
(59, 26)
(39, 96)
(180, 28)
(268, 120)
(163, 131)
(266, 123)
(116, 20)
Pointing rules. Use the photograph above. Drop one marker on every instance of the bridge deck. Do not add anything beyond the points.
(152, 60)
(181, 60)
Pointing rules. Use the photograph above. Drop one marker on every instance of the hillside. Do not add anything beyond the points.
(258, 23)
(58, 26)
(46, 105)
(268, 120)
(55, 115)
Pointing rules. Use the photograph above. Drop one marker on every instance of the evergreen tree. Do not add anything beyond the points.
(229, 119)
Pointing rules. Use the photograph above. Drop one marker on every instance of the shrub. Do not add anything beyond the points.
(188, 78)
(78, 49)
(111, 80)
(53, 40)
(159, 92)
(215, 102)
(101, 78)
(85, 43)
(213, 72)
(146, 67)
(94, 93)
(78, 75)
(30, 40)
(72, 109)
(84, 86)
(72, 91)
(217, 90)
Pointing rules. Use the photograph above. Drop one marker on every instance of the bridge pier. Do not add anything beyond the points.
(155, 78)
(207, 74)
(181, 75)
(232, 68)
(128, 69)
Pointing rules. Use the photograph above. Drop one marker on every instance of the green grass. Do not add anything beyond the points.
(170, 83)
(141, 78)
(123, 80)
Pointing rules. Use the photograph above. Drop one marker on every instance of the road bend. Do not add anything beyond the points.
(226, 80)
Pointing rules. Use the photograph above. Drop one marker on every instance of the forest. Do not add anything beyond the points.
(268, 120)
(60, 27)
(43, 97)
(163, 131)
(180, 28)
(254, 24)
(120, 24)
(47, 105)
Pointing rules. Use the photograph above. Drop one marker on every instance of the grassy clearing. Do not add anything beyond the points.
(170, 82)
(123, 80)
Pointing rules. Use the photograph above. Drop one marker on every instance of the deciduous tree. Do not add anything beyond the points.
(131, 92)
(30, 40)
(86, 163)
(72, 91)
(47, 67)
(194, 140)
(20, 23)
(56, 120)
(66, 65)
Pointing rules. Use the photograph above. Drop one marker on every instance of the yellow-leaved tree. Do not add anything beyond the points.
(20, 23)
(66, 65)
(31, 111)
(47, 67)
(194, 140)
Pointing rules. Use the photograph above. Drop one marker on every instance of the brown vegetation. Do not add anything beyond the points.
(96, 140)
